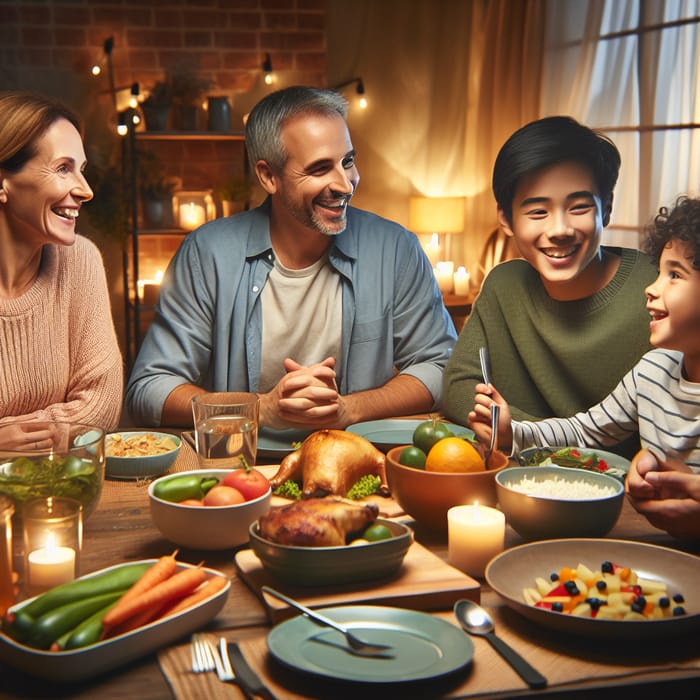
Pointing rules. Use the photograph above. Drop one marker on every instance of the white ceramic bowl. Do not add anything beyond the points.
(205, 527)
(320, 566)
(140, 466)
(539, 517)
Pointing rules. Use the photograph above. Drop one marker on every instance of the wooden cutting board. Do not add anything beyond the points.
(424, 582)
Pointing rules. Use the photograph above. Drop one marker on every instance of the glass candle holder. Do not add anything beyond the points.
(53, 538)
(7, 595)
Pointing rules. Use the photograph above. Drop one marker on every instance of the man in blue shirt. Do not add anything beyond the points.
(329, 313)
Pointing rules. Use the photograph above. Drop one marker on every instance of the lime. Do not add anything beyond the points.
(412, 456)
(376, 532)
(428, 433)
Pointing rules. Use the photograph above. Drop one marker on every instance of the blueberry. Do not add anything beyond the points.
(678, 610)
(601, 585)
(554, 576)
(678, 598)
(571, 588)
(664, 602)
(595, 603)
(557, 607)
(607, 567)
(639, 604)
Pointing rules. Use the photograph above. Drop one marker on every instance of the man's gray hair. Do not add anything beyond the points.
(264, 126)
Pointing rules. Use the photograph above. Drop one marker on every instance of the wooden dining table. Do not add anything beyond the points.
(121, 530)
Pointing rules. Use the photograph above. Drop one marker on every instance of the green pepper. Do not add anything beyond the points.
(178, 488)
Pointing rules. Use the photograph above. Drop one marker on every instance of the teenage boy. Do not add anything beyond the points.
(563, 324)
(660, 396)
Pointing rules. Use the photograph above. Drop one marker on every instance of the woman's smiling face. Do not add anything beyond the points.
(557, 223)
(42, 201)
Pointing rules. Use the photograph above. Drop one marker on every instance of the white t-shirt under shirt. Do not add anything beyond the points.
(302, 318)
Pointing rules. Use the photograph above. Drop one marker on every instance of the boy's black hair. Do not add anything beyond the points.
(680, 223)
(546, 142)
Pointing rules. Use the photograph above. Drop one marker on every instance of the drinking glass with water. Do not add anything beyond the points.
(226, 429)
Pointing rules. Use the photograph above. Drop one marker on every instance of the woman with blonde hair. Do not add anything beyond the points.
(59, 357)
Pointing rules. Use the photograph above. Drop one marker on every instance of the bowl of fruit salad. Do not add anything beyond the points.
(605, 588)
(208, 509)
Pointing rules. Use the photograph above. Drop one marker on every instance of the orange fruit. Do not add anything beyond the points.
(453, 454)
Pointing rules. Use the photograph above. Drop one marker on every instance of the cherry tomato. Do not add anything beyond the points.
(250, 482)
(223, 496)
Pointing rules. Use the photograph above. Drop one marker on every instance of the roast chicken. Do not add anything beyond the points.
(316, 522)
(330, 462)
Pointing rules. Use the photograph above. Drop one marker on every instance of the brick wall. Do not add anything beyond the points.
(51, 45)
(226, 40)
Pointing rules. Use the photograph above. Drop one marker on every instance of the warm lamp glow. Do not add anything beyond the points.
(436, 214)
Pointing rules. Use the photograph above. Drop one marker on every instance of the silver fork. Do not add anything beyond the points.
(357, 645)
(203, 656)
(495, 410)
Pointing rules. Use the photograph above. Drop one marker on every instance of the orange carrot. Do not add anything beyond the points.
(206, 590)
(131, 623)
(160, 571)
(180, 584)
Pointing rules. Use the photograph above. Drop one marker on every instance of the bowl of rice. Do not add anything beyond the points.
(140, 454)
(542, 503)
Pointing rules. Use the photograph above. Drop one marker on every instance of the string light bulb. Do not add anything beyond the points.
(122, 128)
(359, 89)
(133, 100)
(267, 68)
(107, 47)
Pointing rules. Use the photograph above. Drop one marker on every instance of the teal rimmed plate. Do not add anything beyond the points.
(390, 433)
(423, 647)
(617, 466)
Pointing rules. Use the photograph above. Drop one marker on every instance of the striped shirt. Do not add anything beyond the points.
(653, 398)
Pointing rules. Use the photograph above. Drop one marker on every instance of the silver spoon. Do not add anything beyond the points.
(476, 620)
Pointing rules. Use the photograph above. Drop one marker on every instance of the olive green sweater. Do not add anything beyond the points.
(550, 358)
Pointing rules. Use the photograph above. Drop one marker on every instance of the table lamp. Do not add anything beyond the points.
(439, 216)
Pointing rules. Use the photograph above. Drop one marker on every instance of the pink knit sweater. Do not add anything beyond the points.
(59, 355)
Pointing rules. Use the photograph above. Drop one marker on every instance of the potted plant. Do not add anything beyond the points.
(234, 194)
(187, 89)
(156, 190)
(156, 107)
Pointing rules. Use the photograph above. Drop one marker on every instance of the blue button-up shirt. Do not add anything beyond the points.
(208, 325)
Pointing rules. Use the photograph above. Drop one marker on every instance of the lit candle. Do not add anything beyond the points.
(475, 535)
(444, 274)
(461, 282)
(432, 249)
(192, 215)
(51, 565)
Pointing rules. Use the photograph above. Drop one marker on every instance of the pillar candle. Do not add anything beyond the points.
(432, 249)
(192, 215)
(50, 566)
(461, 282)
(444, 274)
(475, 535)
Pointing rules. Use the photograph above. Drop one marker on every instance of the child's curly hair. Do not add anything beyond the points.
(681, 223)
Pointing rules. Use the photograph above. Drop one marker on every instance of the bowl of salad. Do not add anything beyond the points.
(589, 459)
(70, 464)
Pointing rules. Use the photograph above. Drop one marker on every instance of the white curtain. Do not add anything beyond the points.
(630, 81)
(446, 82)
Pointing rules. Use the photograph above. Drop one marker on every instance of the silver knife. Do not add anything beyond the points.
(245, 676)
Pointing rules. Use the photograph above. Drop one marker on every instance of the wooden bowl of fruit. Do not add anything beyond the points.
(451, 473)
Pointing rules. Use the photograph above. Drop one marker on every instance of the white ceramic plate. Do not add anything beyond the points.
(78, 664)
(423, 646)
(389, 433)
(539, 456)
(516, 568)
